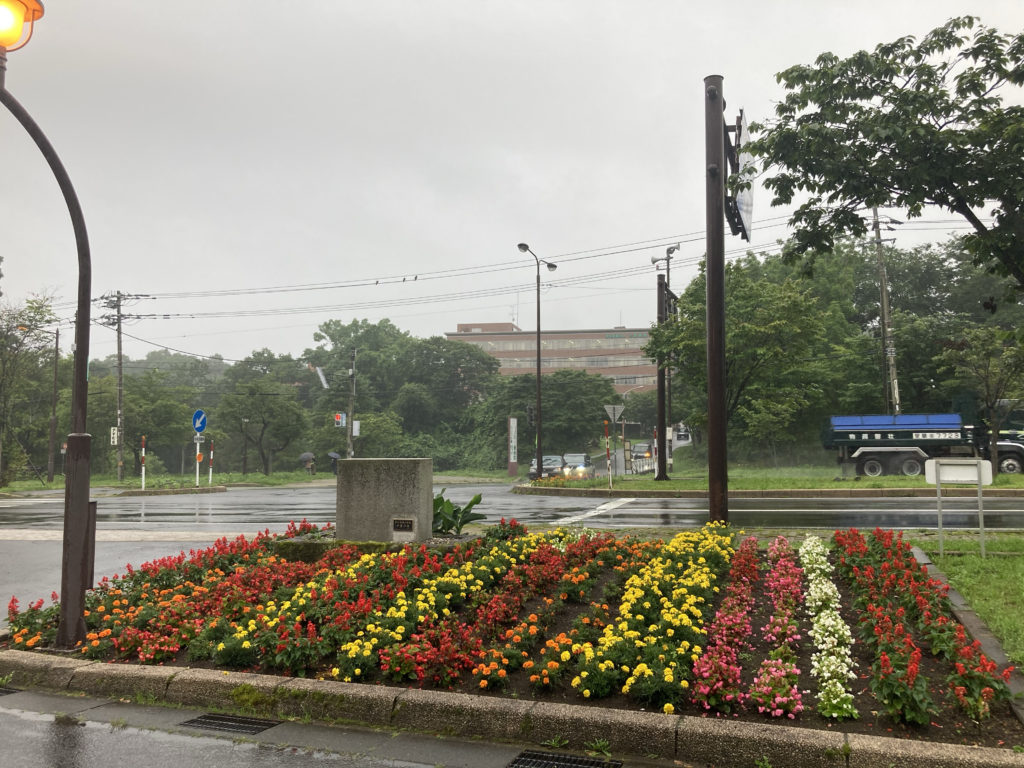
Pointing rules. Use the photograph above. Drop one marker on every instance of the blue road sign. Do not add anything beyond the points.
(199, 420)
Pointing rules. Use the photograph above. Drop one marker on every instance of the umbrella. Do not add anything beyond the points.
(334, 455)
(306, 456)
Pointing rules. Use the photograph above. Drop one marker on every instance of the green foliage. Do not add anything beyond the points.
(909, 124)
(450, 518)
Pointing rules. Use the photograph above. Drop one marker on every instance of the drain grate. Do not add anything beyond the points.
(231, 724)
(532, 759)
(5, 691)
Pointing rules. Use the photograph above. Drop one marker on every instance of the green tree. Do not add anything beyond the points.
(908, 125)
(263, 406)
(774, 336)
(26, 359)
(160, 411)
(989, 362)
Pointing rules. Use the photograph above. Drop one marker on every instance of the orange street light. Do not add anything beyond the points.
(13, 16)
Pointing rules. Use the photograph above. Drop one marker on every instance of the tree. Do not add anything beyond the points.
(991, 363)
(263, 407)
(907, 125)
(159, 411)
(774, 334)
(26, 355)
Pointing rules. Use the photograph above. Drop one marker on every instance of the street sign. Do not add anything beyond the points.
(197, 439)
(614, 411)
(113, 435)
(199, 420)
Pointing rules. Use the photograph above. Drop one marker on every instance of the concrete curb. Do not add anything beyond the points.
(648, 735)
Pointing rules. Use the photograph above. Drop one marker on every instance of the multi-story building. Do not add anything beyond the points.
(615, 352)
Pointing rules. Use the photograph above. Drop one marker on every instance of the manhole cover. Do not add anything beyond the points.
(231, 723)
(531, 759)
(5, 691)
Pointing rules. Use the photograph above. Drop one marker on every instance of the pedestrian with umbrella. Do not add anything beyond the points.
(334, 456)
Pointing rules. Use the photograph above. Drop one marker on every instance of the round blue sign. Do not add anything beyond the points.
(199, 420)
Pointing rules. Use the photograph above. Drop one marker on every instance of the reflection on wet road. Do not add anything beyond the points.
(248, 510)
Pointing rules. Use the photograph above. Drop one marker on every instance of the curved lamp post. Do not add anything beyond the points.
(17, 19)
(524, 248)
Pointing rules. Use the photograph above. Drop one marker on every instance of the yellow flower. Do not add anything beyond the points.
(668, 709)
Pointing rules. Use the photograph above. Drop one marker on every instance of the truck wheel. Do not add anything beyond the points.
(872, 468)
(1010, 465)
(910, 467)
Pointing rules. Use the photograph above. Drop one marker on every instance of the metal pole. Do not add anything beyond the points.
(714, 142)
(351, 404)
(537, 417)
(660, 473)
(981, 509)
(79, 539)
(120, 394)
(51, 454)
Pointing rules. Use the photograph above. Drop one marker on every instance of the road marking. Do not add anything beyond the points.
(606, 507)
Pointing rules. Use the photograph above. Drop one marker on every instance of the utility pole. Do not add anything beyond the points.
(715, 172)
(120, 395)
(114, 302)
(51, 453)
(351, 403)
(888, 345)
(660, 472)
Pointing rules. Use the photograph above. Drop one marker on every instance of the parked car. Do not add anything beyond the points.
(552, 467)
(578, 466)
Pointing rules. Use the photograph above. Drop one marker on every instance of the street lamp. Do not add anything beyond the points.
(665, 396)
(79, 522)
(524, 248)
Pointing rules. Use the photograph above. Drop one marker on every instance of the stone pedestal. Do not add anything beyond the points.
(385, 500)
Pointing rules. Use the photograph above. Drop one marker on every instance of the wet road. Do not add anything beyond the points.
(249, 510)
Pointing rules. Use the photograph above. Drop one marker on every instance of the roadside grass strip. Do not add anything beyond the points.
(832, 664)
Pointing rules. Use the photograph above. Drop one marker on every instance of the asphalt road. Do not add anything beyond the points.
(249, 510)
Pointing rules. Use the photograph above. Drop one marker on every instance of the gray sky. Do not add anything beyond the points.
(392, 154)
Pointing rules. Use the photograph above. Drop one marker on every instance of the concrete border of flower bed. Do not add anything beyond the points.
(717, 741)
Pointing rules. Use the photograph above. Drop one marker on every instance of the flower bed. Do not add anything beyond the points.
(703, 623)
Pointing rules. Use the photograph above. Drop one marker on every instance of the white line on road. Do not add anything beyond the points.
(606, 507)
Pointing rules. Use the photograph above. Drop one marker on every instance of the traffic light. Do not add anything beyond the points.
(340, 419)
(530, 415)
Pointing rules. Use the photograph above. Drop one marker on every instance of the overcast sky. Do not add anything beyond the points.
(386, 157)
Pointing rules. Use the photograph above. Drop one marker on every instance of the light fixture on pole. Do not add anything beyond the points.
(524, 248)
(79, 515)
